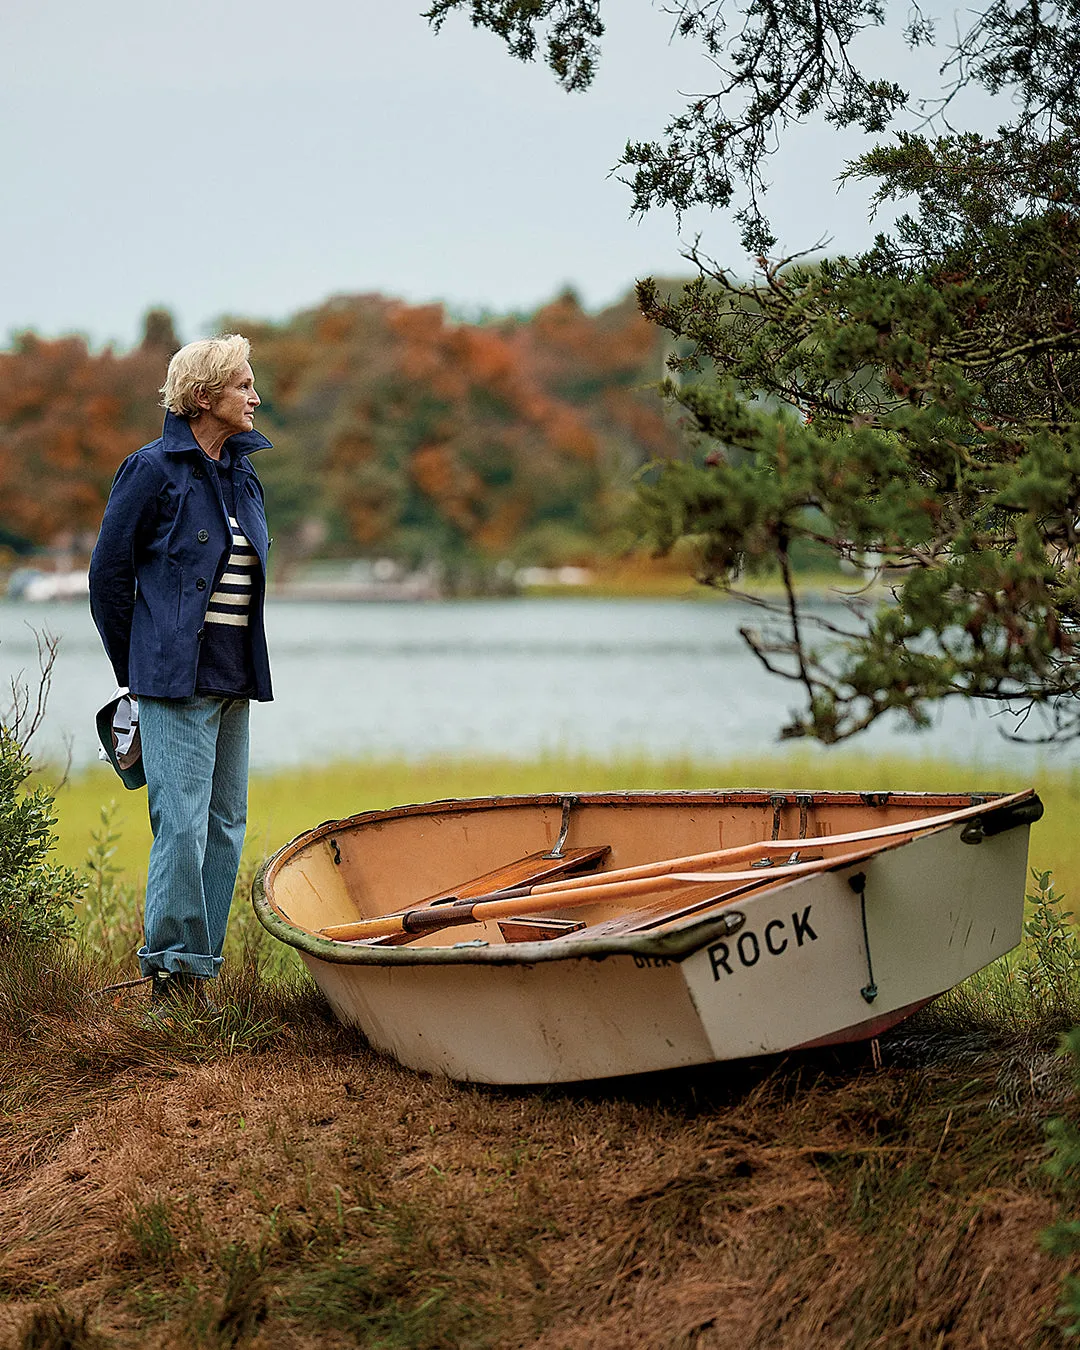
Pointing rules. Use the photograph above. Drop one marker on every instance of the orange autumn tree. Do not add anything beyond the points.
(397, 431)
(604, 365)
(408, 433)
(68, 416)
(499, 455)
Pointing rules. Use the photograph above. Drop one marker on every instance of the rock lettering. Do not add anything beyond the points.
(749, 949)
(747, 952)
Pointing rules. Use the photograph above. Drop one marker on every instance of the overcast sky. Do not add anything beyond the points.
(253, 157)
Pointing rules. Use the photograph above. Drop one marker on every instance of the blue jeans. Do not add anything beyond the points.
(195, 752)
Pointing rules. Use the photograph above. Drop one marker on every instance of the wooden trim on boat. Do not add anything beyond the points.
(673, 945)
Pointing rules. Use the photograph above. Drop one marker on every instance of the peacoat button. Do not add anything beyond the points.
(200, 585)
(196, 473)
(203, 536)
(200, 635)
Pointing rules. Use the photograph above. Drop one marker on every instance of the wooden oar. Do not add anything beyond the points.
(430, 919)
(617, 885)
(600, 885)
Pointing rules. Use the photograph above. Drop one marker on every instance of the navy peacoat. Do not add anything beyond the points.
(163, 545)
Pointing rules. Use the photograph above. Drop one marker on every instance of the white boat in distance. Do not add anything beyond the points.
(560, 937)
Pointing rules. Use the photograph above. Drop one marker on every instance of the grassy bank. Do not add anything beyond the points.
(268, 1182)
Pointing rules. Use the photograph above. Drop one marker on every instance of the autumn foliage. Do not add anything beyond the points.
(396, 429)
(67, 419)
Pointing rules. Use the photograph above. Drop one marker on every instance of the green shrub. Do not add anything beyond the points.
(36, 896)
(1049, 968)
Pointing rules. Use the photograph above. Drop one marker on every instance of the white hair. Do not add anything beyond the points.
(202, 367)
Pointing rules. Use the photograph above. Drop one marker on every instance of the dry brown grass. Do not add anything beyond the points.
(270, 1182)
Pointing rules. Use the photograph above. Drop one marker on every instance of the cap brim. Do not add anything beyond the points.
(132, 777)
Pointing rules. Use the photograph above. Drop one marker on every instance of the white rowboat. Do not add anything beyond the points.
(559, 937)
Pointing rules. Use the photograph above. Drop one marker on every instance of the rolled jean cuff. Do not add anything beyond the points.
(188, 963)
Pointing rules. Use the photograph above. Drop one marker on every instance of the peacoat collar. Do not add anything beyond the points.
(177, 438)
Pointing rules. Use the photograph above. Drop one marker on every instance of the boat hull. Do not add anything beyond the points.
(841, 954)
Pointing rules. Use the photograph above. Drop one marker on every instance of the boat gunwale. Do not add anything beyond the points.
(676, 944)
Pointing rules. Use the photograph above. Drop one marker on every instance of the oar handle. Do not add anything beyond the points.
(442, 916)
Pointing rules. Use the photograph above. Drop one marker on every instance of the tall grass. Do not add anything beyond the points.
(104, 831)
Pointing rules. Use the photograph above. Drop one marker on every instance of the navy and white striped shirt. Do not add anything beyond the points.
(225, 663)
(231, 601)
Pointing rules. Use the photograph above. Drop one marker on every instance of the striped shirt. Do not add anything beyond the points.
(231, 601)
(225, 660)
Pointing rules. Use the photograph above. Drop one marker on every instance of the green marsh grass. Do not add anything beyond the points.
(103, 829)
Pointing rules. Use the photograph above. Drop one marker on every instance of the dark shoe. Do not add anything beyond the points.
(180, 990)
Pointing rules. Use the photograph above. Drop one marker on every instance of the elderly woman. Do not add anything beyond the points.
(177, 581)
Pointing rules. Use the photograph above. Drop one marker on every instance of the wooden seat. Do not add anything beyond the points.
(537, 930)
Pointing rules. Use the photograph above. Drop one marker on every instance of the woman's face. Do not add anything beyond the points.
(235, 406)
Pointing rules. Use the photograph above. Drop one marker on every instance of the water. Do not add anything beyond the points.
(510, 678)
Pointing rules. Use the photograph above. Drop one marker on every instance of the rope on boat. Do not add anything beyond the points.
(857, 883)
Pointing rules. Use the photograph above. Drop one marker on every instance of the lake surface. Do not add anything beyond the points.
(509, 678)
